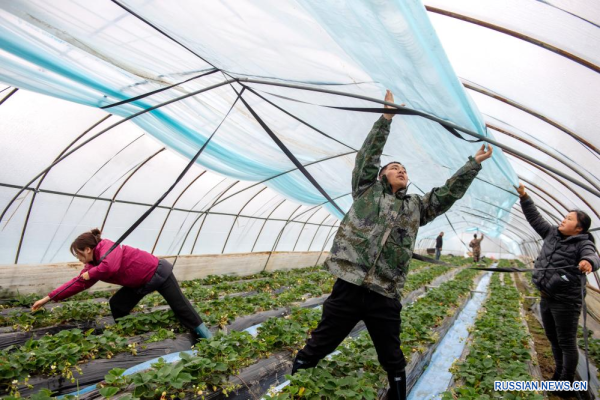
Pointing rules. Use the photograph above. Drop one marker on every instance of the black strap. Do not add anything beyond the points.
(141, 96)
(291, 156)
(377, 110)
(165, 194)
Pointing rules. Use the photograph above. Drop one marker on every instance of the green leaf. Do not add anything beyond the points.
(109, 391)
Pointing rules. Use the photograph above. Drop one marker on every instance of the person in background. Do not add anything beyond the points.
(439, 243)
(568, 245)
(139, 272)
(372, 250)
(476, 246)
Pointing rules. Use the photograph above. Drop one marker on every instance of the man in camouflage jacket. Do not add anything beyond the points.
(372, 250)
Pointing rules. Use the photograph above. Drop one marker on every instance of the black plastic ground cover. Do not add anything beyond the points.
(94, 371)
(11, 337)
(258, 377)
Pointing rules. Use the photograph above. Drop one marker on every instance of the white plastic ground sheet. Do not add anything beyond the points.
(104, 52)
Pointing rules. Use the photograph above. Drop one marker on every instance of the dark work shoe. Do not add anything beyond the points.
(397, 390)
(302, 364)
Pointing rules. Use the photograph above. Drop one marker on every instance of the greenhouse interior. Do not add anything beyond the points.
(183, 184)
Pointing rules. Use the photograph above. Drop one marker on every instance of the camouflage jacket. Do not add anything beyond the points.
(476, 244)
(375, 241)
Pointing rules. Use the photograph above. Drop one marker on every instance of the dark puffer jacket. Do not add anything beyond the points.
(559, 251)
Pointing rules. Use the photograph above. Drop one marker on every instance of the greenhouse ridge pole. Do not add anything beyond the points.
(446, 124)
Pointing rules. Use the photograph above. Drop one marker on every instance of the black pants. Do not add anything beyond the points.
(122, 302)
(345, 307)
(560, 323)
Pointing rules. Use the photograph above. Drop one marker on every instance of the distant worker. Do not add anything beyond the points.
(439, 242)
(476, 246)
(140, 273)
(567, 245)
(372, 250)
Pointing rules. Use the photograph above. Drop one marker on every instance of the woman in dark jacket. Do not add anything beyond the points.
(139, 272)
(568, 245)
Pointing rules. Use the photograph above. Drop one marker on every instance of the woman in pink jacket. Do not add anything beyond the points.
(139, 272)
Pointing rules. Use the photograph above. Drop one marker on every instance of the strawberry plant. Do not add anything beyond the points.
(499, 349)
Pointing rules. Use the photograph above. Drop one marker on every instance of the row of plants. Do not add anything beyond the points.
(421, 278)
(214, 361)
(355, 373)
(47, 356)
(58, 354)
(90, 310)
(499, 348)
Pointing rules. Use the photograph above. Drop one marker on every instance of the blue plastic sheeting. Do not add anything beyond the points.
(437, 377)
(96, 53)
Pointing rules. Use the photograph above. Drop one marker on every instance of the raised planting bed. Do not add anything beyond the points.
(499, 348)
(355, 373)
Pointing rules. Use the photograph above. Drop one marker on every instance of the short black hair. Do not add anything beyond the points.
(475, 236)
(387, 165)
(583, 220)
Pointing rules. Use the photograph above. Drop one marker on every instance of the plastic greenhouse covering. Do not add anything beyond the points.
(221, 137)
(498, 69)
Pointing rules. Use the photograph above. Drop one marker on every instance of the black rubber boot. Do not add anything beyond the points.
(302, 364)
(397, 390)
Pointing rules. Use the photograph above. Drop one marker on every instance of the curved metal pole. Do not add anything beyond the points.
(106, 130)
(327, 239)
(480, 89)
(551, 215)
(264, 223)
(561, 182)
(279, 236)
(564, 162)
(124, 183)
(8, 95)
(522, 227)
(238, 215)
(505, 209)
(494, 219)
(304, 226)
(430, 117)
(171, 209)
(518, 35)
(317, 231)
(206, 216)
(288, 221)
(545, 192)
(39, 184)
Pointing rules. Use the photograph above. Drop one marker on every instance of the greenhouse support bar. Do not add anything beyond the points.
(427, 116)
(105, 130)
(517, 35)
